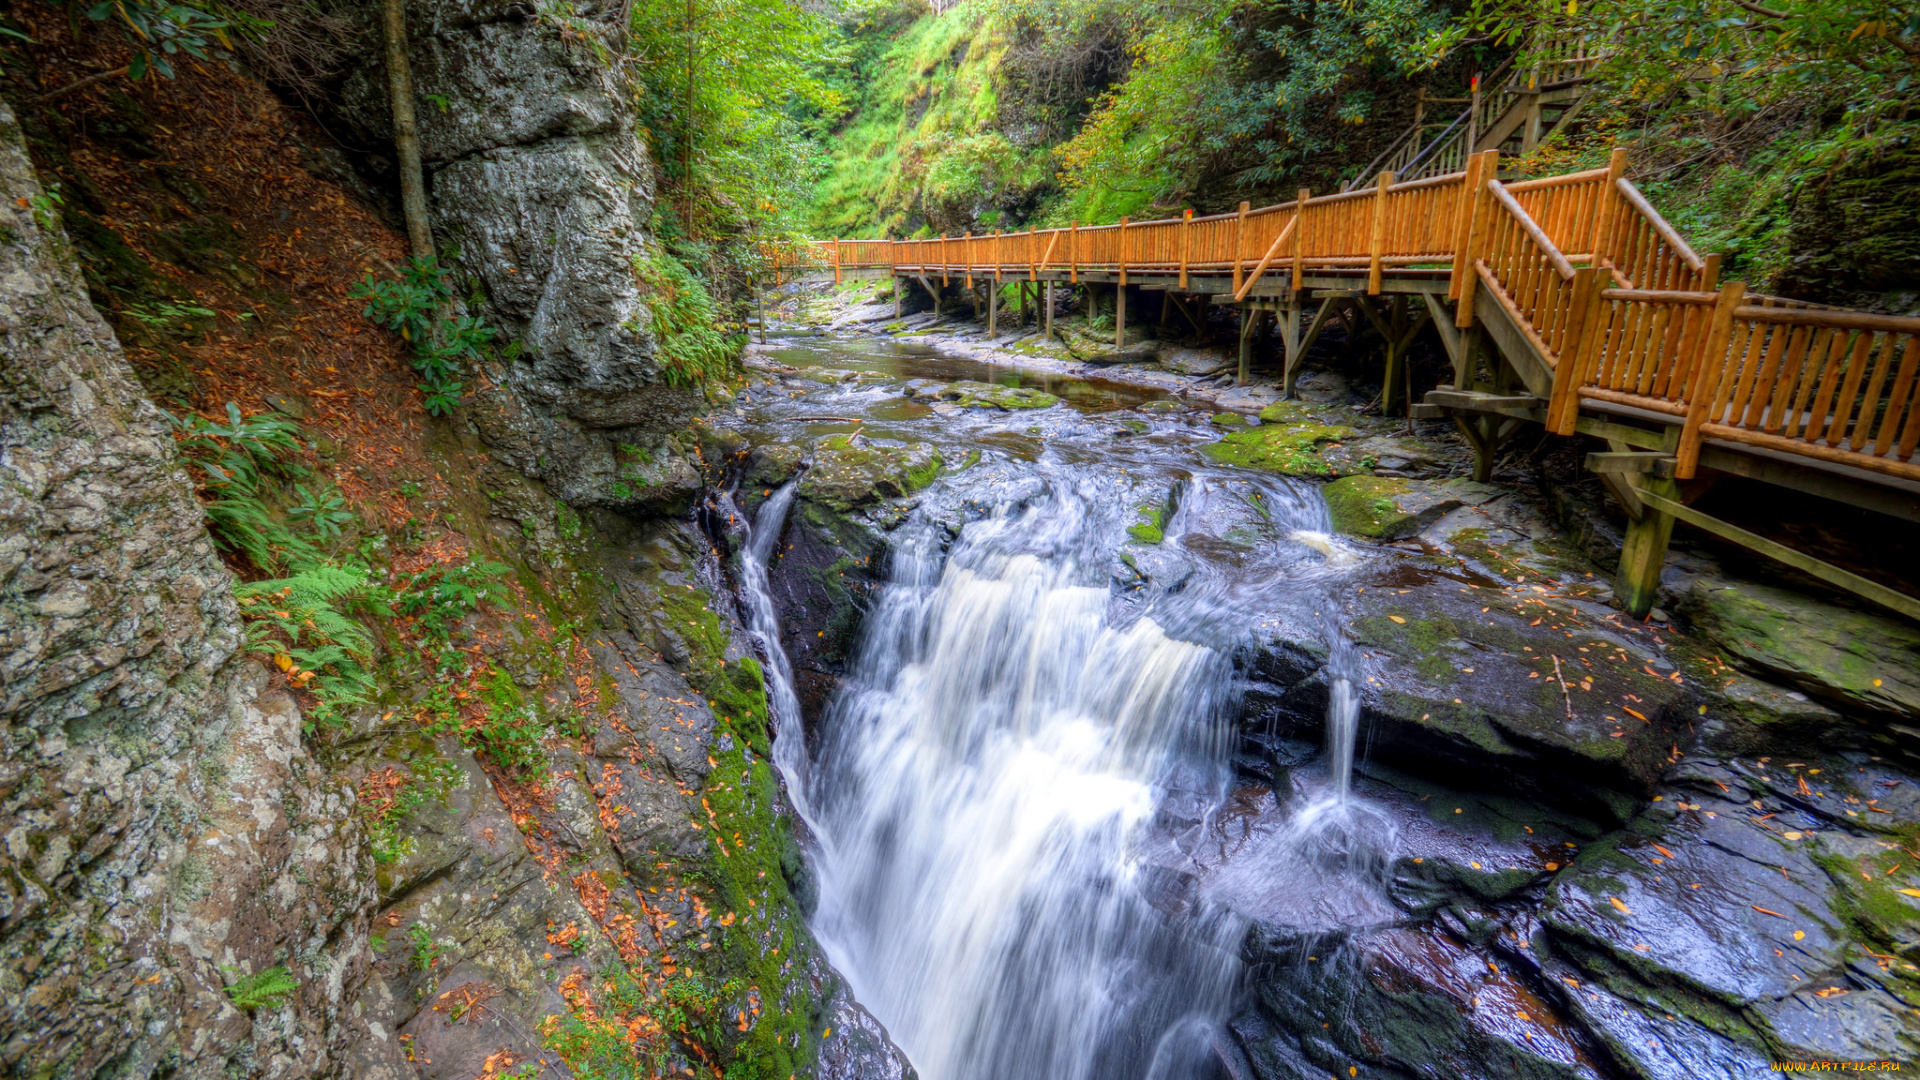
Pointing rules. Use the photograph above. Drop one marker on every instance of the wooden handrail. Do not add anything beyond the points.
(1639, 202)
(1559, 262)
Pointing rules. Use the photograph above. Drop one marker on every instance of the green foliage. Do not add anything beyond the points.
(263, 989)
(323, 508)
(732, 93)
(157, 30)
(425, 949)
(595, 1041)
(692, 351)
(442, 595)
(164, 315)
(511, 732)
(305, 624)
(231, 464)
(419, 307)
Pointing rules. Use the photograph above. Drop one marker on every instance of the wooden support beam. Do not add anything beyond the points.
(1120, 309)
(1443, 325)
(993, 308)
(1046, 309)
(1295, 352)
(1662, 500)
(1637, 462)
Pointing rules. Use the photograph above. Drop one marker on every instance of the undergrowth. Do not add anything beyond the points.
(692, 351)
(419, 306)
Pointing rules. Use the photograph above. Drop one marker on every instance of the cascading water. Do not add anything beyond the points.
(789, 744)
(1013, 805)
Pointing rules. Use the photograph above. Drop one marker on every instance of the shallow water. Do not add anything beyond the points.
(1034, 858)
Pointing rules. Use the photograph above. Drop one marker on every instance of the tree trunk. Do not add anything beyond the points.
(406, 130)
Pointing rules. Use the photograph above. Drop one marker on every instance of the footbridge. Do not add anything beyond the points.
(1565, 303)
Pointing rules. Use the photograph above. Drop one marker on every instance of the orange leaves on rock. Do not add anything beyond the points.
(1615, 901)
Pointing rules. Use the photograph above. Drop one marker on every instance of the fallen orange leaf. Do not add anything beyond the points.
(1765, 911)
(1624, 909)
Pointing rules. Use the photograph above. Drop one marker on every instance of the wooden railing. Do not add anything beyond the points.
(1602, 288)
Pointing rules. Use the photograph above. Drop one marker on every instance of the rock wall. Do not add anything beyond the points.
(542, 190)
(163, 833)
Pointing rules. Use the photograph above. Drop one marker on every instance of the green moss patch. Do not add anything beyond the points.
(1292, 449)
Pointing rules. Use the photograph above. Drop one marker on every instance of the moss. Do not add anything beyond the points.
(982, 395)
(1366, 505)
(1292, 449)
(1228, 420)
(1151, 527)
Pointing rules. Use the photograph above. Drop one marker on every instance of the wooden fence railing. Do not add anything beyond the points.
(1604, 290)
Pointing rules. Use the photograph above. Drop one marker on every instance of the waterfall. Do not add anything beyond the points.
(980, 799)
(789, 740)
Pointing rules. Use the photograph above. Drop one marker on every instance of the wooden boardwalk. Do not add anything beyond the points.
(1565, 301)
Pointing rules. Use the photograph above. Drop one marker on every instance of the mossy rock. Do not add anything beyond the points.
(1228, 420)
(848, 474)
(1385, 508)
(969, 394)
(1854, 660)
(1289, 448)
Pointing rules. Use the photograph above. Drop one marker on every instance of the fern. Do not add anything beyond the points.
(265, 988)
(303, 624)
(230, 462)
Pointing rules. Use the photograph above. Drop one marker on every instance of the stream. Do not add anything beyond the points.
(1034, 858)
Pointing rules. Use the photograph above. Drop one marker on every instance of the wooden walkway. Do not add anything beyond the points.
(1565, 301)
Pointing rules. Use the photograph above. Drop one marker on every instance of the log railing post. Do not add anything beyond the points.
(999, 256)
(1483, 209)
(1605, 226)
(1122, 248)
(1300, 237)
(1073, 253)
(1463, 225)
(1703, 384)
(1239, 244)
(836, 262)
(1186, 245)
(1569, 369)
(945, 277)
(966, 260)
(1377, 241)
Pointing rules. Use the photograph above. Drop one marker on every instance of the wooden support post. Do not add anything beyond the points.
(1248, 317)
(1530, 134)
(1166, 310)
(1377, 242)
(1294, 348)
(1046, 309)
(896, 296)
(1396, 328)
(1300, 237)
(1703, 383)
(1186, 248)
(1239, 244)
(993, 308)
(1644, 552)
(1120, 312)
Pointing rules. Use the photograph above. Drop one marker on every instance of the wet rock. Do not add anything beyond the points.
(855, 1046)
(1852, 659)
(1385, 455)
(1229, 420)
(969, 394)
(1416, 1003)
(1195, 361)
(1288, 441)
(849, 472)
(1651, 1041)
(1386, 508)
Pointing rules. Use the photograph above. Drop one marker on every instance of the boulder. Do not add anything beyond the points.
(1386, 508)
(1855, 660)
(1288, 441)
(850, 472)
(969, 394)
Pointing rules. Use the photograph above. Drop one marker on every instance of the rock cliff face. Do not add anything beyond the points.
(542, 190)
(162, 832)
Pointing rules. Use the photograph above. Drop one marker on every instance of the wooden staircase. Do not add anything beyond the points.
(1510, 111)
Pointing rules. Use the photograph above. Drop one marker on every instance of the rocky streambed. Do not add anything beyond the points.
(1576, 844)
